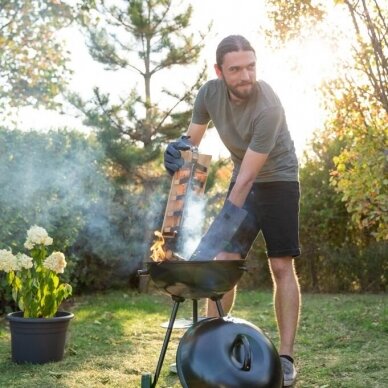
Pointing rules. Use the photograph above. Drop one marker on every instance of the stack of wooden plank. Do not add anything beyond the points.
(189, 180)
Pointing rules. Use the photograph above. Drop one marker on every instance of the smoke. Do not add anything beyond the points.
(49, 178)
(192, 226)
(58, 180)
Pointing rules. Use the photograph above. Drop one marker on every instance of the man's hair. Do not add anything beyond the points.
(232, 43)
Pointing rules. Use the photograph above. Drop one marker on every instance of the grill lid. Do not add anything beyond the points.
(227, 352)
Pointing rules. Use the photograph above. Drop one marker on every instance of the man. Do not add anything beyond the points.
(251, 123)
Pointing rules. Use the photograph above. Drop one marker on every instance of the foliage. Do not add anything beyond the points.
(358, 104)
(322, 209)
(370, 49)
(33, 61)
(361, 168)
(324, 221)
(143, 38)
(59, 180)
(291, 19)
(329, 238)
(51, 179)
(116, 236)
(34, 280)
(6, 302)
(48, 179)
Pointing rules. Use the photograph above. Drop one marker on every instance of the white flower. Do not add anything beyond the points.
(24, 261)
(8, 261)
(37, 235)
(56, 262)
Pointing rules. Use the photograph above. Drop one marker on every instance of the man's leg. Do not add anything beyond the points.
(227, 303)
(227, 300)
(287, 301)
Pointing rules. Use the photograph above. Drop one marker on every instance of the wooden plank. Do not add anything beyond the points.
(196, 177)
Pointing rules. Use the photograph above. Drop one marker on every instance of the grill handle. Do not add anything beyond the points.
(241, 341)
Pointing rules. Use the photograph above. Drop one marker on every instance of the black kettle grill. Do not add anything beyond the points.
(190, 280)
(238, 348)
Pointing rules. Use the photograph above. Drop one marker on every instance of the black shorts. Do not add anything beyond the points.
(273, 209)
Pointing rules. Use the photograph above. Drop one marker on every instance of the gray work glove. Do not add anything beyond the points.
(173, 160)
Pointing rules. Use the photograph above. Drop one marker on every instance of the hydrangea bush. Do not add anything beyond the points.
(34, 280)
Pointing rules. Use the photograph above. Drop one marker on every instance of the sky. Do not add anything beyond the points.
(294, 72)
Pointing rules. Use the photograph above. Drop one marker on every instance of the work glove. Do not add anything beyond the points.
(173, 160)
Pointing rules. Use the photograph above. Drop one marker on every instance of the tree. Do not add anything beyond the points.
(370, 25)
(357, 102)
(324, 221)
(144, 38)
(33, 61)
(360, 170)
(344, 189)
(49, 179)
(292, 19)
(362, 119)
(57, 180)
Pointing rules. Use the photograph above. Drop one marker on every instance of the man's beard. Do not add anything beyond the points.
(240, 94)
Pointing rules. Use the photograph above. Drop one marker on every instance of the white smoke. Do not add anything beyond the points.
(57, 180)
(192, 226)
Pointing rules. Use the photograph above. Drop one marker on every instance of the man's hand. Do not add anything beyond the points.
(173, 160)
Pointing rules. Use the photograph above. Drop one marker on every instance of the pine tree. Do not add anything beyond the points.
(143, 37)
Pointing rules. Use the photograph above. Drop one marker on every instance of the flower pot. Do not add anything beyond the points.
(38, 340)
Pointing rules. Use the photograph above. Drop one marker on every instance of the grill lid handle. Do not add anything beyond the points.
(241, 345)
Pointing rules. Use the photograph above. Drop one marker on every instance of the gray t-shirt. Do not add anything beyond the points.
(259, 123)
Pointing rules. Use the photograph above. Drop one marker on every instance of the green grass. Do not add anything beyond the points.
(115, 337)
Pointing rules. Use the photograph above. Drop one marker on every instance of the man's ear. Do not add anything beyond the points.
(218, 71)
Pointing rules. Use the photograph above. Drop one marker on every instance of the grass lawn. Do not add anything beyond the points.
(117, 336)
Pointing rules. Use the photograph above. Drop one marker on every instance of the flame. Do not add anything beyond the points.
(157, 249)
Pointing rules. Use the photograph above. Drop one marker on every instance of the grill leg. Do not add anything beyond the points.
(195, 311)
(177, 301)
(219, 308)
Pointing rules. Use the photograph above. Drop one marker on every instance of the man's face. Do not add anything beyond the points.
(239, 73)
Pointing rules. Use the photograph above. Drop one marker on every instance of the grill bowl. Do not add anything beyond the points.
(196, 279)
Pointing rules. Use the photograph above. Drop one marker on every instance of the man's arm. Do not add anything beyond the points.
(196, 132)
(250, 167)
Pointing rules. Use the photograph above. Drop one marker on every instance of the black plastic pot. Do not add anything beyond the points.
(38, 340)
(227, 353)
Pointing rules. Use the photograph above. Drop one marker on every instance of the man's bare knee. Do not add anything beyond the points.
(282, 268)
